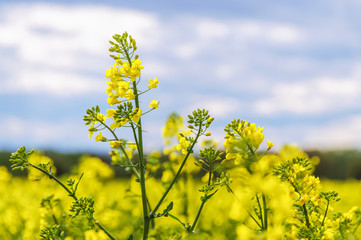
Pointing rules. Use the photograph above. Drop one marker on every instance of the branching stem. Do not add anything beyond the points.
(177, 174)
(71, 194)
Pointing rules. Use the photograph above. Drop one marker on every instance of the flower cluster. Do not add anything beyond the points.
(198, 122)
(122, 90)
(242, 140)
(173, 125)
(314, 216)
(303, 211)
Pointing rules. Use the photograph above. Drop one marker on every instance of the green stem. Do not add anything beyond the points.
(123, 150)
(306, 215)
(341, 232)
(52, 213)
(324, 217)
(57, 180)
(265, 212)
(203, 201)
(131, 165)
(71, 194)
(176, 175)
(146, 218)
(304, 209)
(55, 219)
(197, 216)
(260, 212)
(356, 228)
(104, 230)
(254, 220)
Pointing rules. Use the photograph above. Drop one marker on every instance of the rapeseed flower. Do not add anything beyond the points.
(113, 99)
(153, 83)
(270, 145)
(154, 104)
(100, 137)
(110, 113)
(129, 95)
(183, 145)
(137, 112)
(100, 117)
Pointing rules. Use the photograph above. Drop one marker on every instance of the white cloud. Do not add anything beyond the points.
(73, 39)
(38, 131)
(219, 107)
(267, 32)
(186, 50)
(64, 134)
(343, 133)
(208, 29)
(283, 34)
(66, 41)
(315, 96)
(62, 84)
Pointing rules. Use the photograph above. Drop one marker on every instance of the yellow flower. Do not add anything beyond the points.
(298, 168)
(131, 71)
(115, 125)
(172, 127)
(129, 95)
(137, 112)
(183, 145)
(153, 83)
(100, 137)
(113, 99)
(101, 117)
(135, 69)
(112, 73)
(119, 123)
(5, 176)
(125, 69)
(110, 113)
(167, 176)
(270, 145)
(112, 86)
(123, 121)
(122, 89)
(115, 143)
(153, 104)
(91, 130)
(305, 198)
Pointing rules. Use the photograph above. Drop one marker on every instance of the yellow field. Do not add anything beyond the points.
(118, 208)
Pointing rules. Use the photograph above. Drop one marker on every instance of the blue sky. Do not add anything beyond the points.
(293, 67)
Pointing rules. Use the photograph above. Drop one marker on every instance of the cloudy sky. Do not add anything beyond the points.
(293, 67)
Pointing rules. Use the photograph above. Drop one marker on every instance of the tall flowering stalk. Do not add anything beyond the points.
(124, 93)
(124, 77)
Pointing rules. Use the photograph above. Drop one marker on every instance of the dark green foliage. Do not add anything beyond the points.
(338, 164)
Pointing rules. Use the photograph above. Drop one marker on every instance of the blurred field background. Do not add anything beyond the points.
(334, 164)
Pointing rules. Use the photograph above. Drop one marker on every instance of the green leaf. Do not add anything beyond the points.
(207, 197)
(186, 226)
(165, 212)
